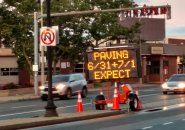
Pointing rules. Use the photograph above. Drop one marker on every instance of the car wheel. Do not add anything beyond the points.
(84, 92)
(44, 98)
(164, 92)
(68, 93)
(100, 107)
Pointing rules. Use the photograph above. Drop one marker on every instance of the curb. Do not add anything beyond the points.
(41, 121)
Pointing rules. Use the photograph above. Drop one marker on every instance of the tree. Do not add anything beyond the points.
(80, 32)
(18, 30)
(77, 33)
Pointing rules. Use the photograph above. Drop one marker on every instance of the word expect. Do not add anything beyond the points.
(114, 74)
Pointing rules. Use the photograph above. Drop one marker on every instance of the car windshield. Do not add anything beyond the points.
(177, 78)
(60, 78)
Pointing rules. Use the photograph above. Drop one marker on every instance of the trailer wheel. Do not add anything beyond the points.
(133, 102)
(99, 106)
(133, 105)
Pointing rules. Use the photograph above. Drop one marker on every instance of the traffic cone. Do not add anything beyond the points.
(137, 91)
(79, 107)
(115, 105)
(138, 105)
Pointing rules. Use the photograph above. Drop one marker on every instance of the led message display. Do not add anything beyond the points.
(112, 63)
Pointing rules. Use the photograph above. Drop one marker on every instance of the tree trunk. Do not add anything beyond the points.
(54, 68)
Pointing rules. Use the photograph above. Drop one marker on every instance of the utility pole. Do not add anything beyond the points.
(50, 108)
(35, 66)
(42, 48)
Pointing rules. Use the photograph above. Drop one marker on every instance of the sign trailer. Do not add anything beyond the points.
(114, 63)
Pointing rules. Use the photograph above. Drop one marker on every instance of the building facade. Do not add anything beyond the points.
(8, 67)
(158, 60)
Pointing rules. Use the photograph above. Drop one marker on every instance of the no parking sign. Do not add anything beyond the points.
(47, 36)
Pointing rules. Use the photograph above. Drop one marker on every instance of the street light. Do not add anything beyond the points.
(50, 107)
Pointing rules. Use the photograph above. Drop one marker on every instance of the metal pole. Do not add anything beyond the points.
(140, 54)
(42, 49)
(50, 108)
(104, 11)
(141, 78)
(35, 67)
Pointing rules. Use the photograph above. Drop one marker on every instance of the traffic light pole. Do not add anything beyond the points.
(168, 13)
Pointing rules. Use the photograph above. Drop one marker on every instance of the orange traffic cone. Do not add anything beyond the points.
(116, 99)
(79, 107)
(137, 91)
(138, 105)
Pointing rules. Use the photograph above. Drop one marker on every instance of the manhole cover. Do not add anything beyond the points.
(152, 110)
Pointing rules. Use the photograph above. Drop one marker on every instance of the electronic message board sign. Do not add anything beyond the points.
(111, 63)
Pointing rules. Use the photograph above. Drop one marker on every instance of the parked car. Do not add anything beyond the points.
(65, 86)
(176, 83)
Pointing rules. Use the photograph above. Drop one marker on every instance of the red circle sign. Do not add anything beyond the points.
(48, 36)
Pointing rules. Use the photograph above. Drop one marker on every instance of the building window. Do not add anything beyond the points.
(4, 71)
(79, 68)
(155, 67)
(8, 71)
(13, 71)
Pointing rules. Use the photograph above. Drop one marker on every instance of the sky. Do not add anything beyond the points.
(175, 27)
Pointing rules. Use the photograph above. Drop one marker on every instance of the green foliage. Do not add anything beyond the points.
(77, 32)
(17, 29)
(10, 86)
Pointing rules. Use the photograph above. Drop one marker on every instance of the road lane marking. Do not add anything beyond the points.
(13, 114)
(149, 95)
(23, 106)
(148, 127)
(167, 123)
(150, 90)
(174, 106)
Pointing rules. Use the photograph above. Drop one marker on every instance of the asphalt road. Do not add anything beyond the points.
(35, 108)
(168, 119)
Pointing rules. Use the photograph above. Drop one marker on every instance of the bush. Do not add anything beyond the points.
(10, 86)
(15, 86)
